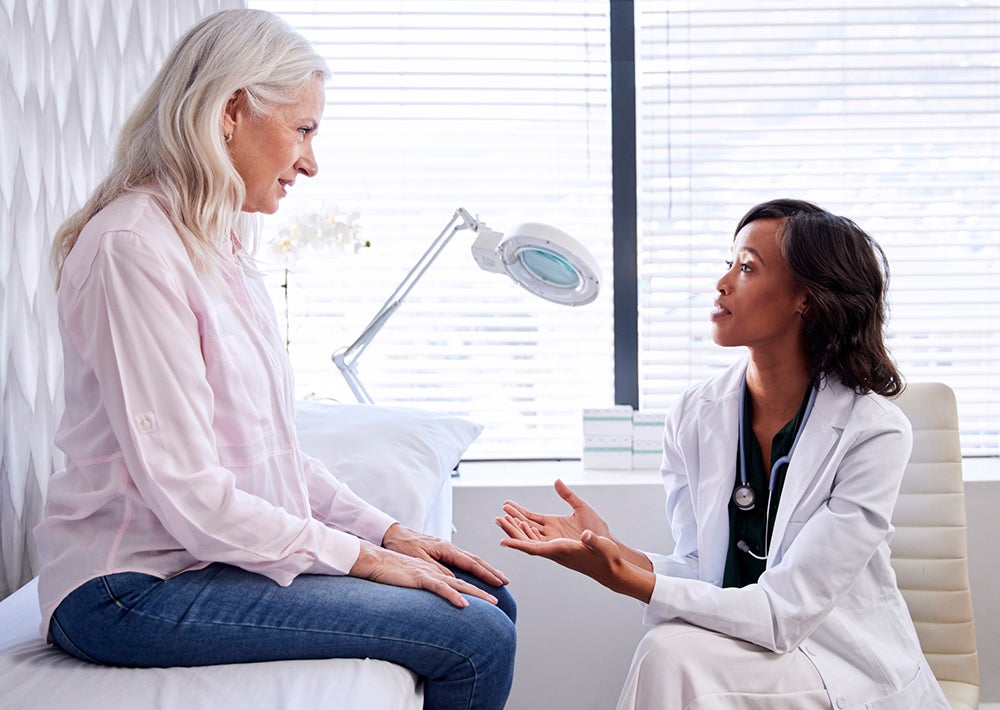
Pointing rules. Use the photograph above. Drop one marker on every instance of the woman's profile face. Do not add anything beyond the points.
(759, 303)
(270, 152)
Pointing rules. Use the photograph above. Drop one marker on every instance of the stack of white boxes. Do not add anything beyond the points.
(619, 437)
(607, 437)
(647, 439)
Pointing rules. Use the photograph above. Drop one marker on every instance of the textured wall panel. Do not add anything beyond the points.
(69, 72)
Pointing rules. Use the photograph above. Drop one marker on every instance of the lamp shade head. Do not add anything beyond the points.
(550, 264)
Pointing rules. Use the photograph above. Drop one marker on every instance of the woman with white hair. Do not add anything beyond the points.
(189, 528)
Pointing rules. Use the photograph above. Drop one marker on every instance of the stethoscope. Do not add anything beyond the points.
(743, 497)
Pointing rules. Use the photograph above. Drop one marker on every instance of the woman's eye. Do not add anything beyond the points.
(729, 264)
(745, 268)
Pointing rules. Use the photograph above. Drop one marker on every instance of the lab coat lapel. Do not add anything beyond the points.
(818, 439)
(717, 443)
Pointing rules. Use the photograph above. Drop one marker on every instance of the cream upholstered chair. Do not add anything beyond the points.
(929, 546)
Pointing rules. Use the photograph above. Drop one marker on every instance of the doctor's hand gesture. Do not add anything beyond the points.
(580, 541)
(596, 556)
(551, 527)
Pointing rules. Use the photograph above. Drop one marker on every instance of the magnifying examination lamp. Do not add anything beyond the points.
(541, 259)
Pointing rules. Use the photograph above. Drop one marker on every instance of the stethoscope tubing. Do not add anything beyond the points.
(743, 496)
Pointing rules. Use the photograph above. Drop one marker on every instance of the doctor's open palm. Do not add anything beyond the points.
(546, 528)
(580, 541)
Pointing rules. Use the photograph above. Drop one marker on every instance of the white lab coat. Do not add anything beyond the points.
(828, 588)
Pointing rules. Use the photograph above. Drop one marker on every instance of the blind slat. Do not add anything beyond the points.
(884, 113)
(500, 108)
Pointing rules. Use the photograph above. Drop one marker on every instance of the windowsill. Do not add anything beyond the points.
(571, 471)
(982, 468)
(544, 473)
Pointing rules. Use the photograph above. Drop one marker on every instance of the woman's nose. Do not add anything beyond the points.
(307, 163)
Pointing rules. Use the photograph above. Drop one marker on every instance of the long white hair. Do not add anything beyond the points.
(173, 140)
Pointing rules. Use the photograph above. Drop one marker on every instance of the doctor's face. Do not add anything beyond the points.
(759, 305)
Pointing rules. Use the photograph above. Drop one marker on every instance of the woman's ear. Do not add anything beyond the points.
(803, 305)
(232, 113)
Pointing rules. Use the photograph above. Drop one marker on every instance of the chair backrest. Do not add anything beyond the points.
(929, 546)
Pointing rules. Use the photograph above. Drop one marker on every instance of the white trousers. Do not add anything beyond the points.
(682, 667)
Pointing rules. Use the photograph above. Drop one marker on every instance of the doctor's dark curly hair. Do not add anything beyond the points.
(846, 275)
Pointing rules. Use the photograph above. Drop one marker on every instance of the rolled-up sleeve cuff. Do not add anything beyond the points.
(372, 525)
(337, 554)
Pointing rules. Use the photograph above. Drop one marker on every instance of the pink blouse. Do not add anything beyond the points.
(179, 423)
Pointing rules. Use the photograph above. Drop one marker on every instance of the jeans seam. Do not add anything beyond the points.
(75, 650)
(292, 629)
(111, 595)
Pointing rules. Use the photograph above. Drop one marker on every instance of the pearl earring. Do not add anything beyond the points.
(229, 137)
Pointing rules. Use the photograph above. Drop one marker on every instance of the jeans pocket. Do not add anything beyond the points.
(126, 589)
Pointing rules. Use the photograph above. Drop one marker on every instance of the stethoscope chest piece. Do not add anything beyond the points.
(743, 497)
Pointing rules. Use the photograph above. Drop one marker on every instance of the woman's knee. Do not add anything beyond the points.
(493, 628)
(486, 643)
(506, 603)
(497, 646)
(505, 600)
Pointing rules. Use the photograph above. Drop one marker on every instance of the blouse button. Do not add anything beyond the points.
(145, 424)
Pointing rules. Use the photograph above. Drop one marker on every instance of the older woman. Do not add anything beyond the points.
(188, 527)
(781, 475)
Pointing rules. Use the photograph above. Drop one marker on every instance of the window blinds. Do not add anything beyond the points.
(887, 113)
(502, 108)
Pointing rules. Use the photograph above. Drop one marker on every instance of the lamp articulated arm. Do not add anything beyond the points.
(347, 359)
(544, 260)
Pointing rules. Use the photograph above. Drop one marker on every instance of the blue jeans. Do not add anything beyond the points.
(222, 614)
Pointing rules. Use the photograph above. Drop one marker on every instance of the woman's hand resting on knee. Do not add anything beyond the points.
(409, 558)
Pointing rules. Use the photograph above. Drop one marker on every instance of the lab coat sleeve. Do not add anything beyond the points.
(824, 555)
(131, 321)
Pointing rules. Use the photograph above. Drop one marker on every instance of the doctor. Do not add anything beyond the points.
(781, 475)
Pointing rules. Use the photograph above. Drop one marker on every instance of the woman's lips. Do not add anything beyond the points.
(719, 311)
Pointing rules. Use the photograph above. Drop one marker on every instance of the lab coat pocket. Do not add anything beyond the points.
(921, 692)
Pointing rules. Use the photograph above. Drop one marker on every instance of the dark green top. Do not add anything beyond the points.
(741, 568)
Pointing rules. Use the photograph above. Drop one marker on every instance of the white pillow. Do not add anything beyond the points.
(396, 459)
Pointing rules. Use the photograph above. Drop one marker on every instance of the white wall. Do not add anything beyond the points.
(576, 638)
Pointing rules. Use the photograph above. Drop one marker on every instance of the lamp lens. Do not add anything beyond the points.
(549, 267)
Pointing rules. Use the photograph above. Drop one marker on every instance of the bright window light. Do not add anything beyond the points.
(500, 107)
